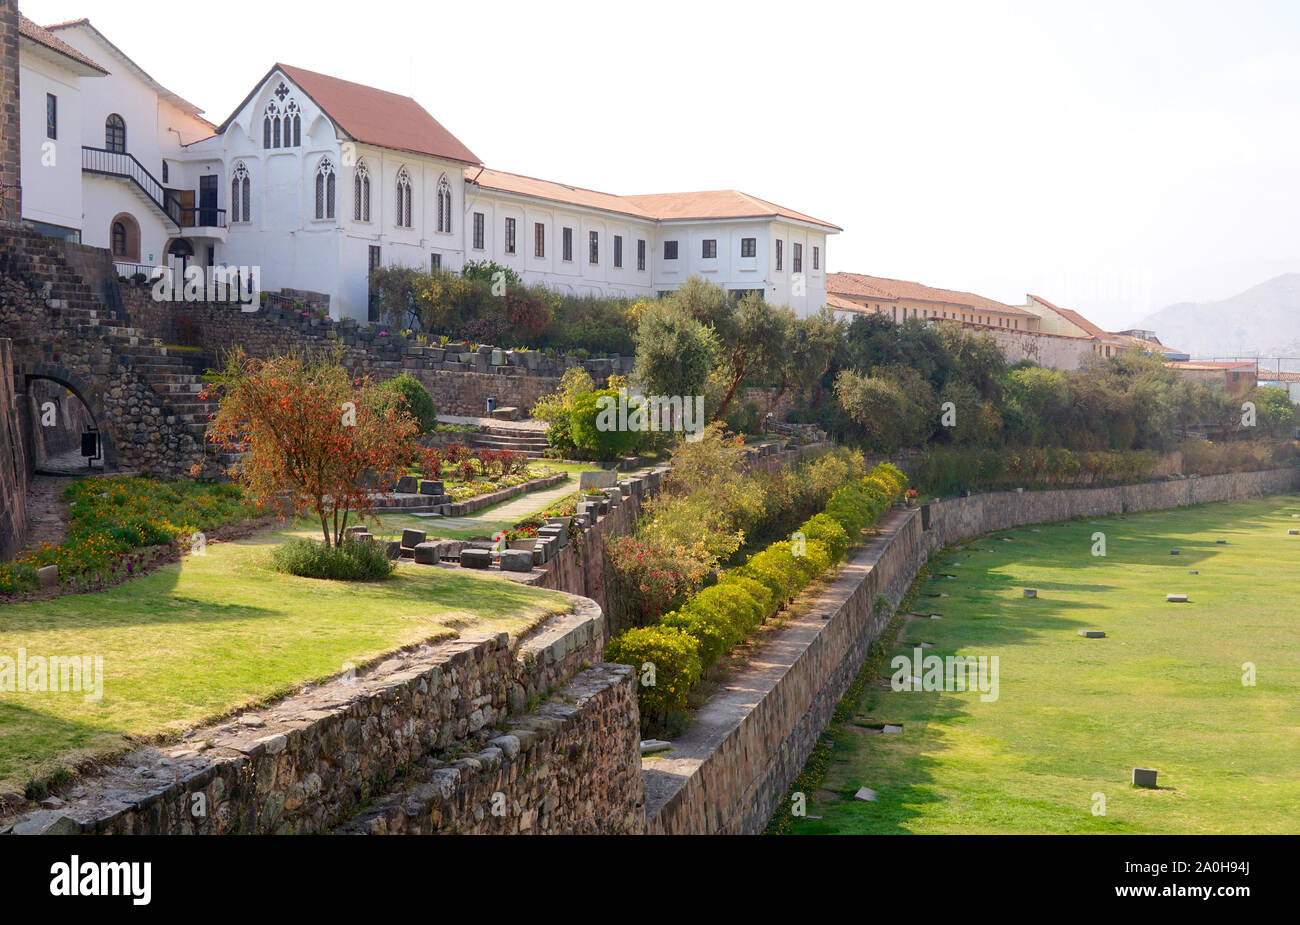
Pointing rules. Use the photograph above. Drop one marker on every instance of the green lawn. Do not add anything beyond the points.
(220, 631)
(1163, 690)
(390, 526)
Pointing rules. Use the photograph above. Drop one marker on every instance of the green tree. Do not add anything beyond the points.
(675, 351)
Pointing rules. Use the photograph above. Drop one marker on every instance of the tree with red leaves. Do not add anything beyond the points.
(314, 440)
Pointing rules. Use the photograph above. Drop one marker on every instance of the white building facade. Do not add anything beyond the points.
(316, 181)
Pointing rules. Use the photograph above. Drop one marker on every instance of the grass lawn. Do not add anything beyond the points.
(220, 631)
(390, 526)
(1163, 690)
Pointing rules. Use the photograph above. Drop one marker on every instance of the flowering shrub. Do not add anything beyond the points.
(110, 518)
(674, 657)
(646, 581)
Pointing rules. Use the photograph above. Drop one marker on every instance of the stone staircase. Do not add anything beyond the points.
(73, 315)
(529, 441)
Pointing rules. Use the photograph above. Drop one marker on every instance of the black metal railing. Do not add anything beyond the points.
(203, 217)
(121, 164)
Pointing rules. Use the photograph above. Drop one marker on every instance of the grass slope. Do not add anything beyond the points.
(219, 631)
(1163, 690)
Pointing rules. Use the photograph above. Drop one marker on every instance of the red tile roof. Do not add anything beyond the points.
(655, 207)
(43, 36)
(724, 203)
(859, 285)
(371, 116)
(557, 192)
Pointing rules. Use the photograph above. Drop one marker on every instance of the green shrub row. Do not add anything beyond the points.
(690, 640)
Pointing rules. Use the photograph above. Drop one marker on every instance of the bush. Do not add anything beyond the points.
(595, 428)
(418, 400)
(675, 657)
(646, 580)
(352, 561)
(730, 603)
(714, 635)
(758, 591)
(826, 530)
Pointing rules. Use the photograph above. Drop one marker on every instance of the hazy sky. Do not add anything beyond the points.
(1110, 157)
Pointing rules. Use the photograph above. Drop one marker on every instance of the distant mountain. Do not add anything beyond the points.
(1263, 321)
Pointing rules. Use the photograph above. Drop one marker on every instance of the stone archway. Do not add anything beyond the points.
(88, 397)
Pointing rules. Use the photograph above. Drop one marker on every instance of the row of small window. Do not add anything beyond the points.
(953, 316)
(114, 126)
(709, 249)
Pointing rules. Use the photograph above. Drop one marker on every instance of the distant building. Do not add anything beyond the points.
(856, 293)
(317, 181)
(1233, 376)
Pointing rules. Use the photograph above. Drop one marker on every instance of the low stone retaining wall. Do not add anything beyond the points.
(400, 502)
(570, 767)
(749, 742)
(309, 762)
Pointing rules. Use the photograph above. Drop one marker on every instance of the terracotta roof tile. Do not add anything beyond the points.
(378, 117)
(43, 36)
(557, 192)
(861, 286)
(725, 203)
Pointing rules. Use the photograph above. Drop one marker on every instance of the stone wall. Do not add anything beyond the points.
(11, 200)
(13, 461)
(749, 742)
(460, 380)
(312, 761)
(572, 766)
(582, 570)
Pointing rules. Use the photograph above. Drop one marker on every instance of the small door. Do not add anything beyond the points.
(370, 281)
(186, 197)
(208, 200)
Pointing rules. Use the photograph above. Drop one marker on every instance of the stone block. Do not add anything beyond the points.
(431, 487)
(48, 576)
(427, 553)
(413, 538)
(408, 484)
(1092, 634)
(1031, 592)
(1176, 598)
(394, 549)
(517, 560)
(865, 795)
(615, 496)
(596, 478)
(1145, 777)
(472, 557)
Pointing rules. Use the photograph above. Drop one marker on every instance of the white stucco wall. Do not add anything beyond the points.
(51, 191)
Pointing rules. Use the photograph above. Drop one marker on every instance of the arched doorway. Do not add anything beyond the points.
(183, 252)
(60, 411)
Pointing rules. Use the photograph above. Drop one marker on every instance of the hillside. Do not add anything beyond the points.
(1263, 320)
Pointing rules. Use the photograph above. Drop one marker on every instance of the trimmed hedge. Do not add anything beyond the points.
(725, 613)
(675, 657)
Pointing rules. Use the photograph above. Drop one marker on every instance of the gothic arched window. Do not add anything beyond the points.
(361, 193)
(240, 194)
(115, 134)
(444, 205)
(403, 199)
(325, 189)
(282, 121)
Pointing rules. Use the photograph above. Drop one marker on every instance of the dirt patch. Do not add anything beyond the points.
(46, 512)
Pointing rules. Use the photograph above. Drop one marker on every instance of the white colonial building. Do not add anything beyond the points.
(317, 180)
